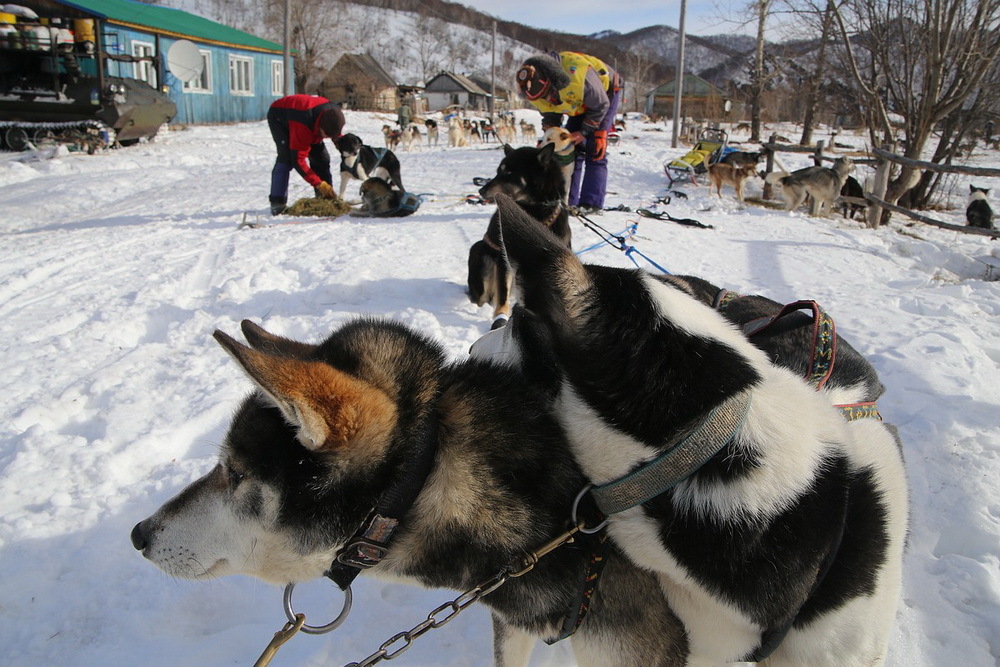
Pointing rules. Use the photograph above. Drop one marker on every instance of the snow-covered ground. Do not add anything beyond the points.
(116, 269)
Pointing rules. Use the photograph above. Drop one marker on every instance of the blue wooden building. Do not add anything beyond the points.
(242, 74)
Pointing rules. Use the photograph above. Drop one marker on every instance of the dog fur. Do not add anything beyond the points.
(723, 173)
(380, 200)
(333, 425)
(432, 132)
(823, 184)
(565, 154)
(739, 543)
(852, 188)
(533, 178)
(458, 136)
(978, 213)
(743, 158)
(391, 137)
(359, 161)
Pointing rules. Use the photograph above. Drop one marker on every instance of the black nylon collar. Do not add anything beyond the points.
(370, 542)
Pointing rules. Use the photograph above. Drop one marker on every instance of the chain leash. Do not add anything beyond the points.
(515, 569)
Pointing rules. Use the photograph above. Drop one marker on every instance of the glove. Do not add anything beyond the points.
(600, 145)
(325, 190)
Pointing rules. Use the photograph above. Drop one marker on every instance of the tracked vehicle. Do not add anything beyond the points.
(55, 86)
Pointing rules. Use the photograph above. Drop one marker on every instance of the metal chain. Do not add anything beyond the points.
(517, 568)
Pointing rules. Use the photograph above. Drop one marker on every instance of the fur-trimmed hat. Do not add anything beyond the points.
(540, 74)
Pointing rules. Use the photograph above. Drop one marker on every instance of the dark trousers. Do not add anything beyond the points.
(590, 177)
(287, 159)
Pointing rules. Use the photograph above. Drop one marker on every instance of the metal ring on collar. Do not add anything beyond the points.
(576, 522)
(319, 629)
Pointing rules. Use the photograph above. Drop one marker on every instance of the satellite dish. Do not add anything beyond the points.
(184, 60)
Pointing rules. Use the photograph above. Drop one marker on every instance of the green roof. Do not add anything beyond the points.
(172, 22)
(694, 86)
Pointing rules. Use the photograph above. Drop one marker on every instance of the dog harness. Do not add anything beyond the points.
(407, 205)
(379, 153)
(824, 352)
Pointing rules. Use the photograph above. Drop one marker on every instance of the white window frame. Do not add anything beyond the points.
(144, 69)
(277, 78)
(203, 84)
(240, 75)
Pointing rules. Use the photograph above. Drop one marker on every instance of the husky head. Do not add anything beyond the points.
(844, 166)
(299, 468)
(528, 175)
(349, 145)
(977, 193)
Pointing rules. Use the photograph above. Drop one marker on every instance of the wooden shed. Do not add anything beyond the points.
(447, 89)
(358, 81)
(699, 99)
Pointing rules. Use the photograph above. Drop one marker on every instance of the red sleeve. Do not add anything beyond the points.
(302, 166)
(301, 140)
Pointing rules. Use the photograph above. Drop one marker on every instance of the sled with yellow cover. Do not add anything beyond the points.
(711, 146)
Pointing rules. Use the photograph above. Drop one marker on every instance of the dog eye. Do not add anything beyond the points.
(234, 477)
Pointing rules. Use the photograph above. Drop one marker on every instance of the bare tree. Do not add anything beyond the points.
(638, 75)
(813, 85)
(757, 81)
(925, 59)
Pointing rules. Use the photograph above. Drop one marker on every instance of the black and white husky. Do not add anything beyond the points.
(370, 449)
(776, 526)
(360, 161)
(978, 213)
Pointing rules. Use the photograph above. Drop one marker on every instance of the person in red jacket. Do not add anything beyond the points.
(298, 125)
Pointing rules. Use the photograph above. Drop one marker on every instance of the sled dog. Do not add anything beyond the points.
(533, 178)
(391, 137)
(978, 213)
(359, 161)
(432, 132)
(565, 154)
(823, 184)
(457, 134)
(852, 188)
(379, 200)
(775, 525)
(743, 158)
(723, 173)
(369, 451)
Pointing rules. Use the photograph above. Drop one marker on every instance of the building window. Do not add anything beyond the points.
(240, 75)
(277, 78)
(143, 69)
(203, 83)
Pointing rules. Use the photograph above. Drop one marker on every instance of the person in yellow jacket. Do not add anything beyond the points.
(585, 90)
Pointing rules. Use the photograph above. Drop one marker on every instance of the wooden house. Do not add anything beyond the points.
(447, 89)
(699, 99)
(358, 81)
(241, 74)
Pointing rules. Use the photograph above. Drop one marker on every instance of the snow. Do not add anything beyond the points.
(117, 268)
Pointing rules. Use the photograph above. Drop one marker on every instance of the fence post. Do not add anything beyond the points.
(818, 154)
(879, 187)
(767, 194)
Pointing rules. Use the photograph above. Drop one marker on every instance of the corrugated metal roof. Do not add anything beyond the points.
(463, 81)
(172, 22)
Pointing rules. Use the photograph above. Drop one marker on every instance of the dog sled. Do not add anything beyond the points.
(712, 146)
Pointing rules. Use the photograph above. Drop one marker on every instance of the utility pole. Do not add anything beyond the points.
(288, 49)
(679, 79)
(493, 73)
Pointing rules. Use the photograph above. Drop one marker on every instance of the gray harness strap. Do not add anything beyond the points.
(683, 458)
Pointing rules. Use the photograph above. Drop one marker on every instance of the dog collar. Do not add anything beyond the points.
(681, 459)
(370, 542)
(552, 218)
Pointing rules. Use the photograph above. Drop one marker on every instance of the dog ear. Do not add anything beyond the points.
(507, 150)
(265, 341)
(546, 153)
(549, 276)
(330, 410)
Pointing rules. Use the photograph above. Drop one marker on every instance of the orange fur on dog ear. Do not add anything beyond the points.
(331, 410)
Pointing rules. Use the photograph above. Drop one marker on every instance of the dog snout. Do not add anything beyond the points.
(138, 536)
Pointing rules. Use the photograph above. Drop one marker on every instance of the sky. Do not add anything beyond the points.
(116, 268)
(589, 16)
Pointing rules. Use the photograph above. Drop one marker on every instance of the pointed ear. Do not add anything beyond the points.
(546, 153)
(549, 276)
(507, 150)
(330, 410)
(264, 341)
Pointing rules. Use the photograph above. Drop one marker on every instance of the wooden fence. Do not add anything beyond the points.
(883, 161)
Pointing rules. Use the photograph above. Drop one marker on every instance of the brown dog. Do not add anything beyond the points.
(721, 173)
